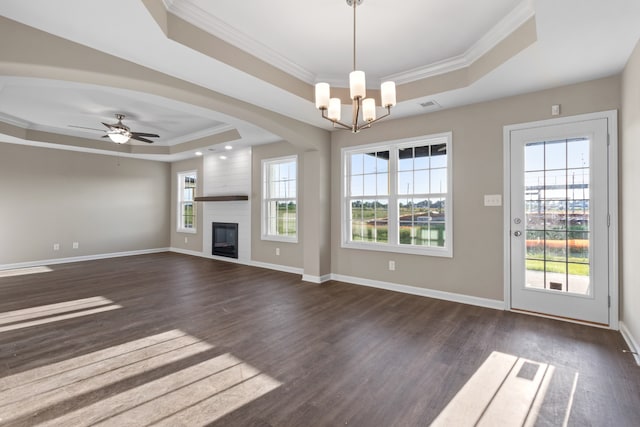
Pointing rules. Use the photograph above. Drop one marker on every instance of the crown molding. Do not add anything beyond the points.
(218, 28)
(514, 20)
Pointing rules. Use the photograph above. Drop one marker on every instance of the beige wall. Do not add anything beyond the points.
(105, 203)
(193, 240)
(317, 213)
(476, 268)
(630, 196)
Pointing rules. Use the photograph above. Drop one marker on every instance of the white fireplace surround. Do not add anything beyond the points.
(226, 177)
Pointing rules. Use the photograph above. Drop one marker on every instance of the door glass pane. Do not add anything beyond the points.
(534, 198)
(557, 216)
(578, 153)
(535, 245)
(555, 155)
(534, 157)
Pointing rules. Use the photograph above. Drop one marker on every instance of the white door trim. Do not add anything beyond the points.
(612, 162)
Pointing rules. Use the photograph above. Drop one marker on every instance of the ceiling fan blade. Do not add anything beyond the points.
(83, 127)
(149, 135)
(108, 126)
(139, 138)
(105, 136)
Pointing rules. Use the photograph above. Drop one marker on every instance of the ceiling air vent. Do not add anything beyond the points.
(430, 105)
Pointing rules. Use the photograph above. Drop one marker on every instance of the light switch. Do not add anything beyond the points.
(493, 199)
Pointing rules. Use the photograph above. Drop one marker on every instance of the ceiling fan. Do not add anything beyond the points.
(120, 133)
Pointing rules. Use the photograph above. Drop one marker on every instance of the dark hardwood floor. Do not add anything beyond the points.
(170, 339)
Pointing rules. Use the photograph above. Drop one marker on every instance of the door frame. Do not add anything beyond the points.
(612, 163)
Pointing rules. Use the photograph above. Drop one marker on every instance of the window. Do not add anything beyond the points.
(279, 199)
(187, 182)
(397, 196)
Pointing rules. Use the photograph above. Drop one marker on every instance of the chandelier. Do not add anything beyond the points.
(331, 107)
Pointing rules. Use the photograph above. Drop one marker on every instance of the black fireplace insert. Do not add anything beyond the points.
(225, 239)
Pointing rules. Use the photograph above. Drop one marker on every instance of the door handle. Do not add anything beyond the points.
(517, 233)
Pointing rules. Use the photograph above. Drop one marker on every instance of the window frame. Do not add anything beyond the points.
(265, 163)
(180, 228)
(393, 245)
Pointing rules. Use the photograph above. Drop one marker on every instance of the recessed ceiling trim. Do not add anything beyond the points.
(201, 134)
(14, 121)
(218, 28)
(510, 23)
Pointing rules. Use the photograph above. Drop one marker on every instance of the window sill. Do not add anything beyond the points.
(409, 250)
(187, 231)
(279, 239)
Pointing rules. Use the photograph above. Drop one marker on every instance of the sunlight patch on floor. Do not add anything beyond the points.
(197, 394)
(24, 271)
(49, 313)
(505, 390)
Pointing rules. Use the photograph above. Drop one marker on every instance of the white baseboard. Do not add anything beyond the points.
(631, 341)
(186, 252)
(277, 267)
(79, 258)
(430, 293)
(316, 279)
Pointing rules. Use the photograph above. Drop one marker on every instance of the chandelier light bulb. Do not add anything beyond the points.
(322, 95)
(357, 84)
(388, 94)
(334, 109)
(369, 109)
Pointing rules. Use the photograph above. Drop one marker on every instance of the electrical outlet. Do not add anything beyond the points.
(555, 110)
(278, 251)
(186, 239)
(392, 266)
(76, 245)
(56, 246)
(493, 199)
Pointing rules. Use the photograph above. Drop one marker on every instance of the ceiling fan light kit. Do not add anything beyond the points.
(331, 107)
(118, 138)
(121, 134)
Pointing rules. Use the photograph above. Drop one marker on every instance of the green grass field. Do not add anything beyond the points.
(558, 266)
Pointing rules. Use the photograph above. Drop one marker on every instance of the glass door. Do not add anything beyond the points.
(559, 220)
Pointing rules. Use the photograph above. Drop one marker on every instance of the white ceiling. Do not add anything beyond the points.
(577, 40)
(316, 36)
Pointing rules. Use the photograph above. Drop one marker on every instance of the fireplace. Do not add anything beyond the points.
(225, 239)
